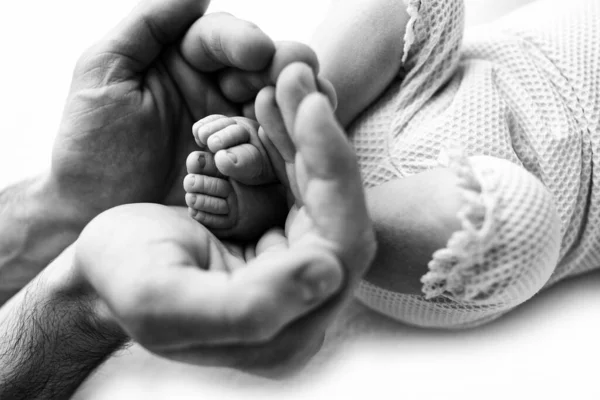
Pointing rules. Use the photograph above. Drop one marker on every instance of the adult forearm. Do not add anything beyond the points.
(52, 338)
(36, 225)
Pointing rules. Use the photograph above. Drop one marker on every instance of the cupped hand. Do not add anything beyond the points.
(179, 292)
(126, 128)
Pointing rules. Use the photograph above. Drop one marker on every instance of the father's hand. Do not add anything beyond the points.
(180, 293)
(126, 129)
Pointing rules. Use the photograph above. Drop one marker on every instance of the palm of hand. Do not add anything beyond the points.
(131, 137)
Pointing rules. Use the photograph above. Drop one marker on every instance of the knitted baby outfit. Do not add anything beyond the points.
(522, 95)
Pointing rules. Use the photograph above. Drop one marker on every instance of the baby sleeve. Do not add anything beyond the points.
(432, 43)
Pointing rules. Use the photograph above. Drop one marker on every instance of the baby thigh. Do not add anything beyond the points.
(502, 252)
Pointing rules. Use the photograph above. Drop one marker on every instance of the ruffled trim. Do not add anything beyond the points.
(451, 270)
(412, 7)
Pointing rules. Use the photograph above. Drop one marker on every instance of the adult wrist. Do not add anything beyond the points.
(68, 208)
(54, 337)
(37, 226)
(67, 287)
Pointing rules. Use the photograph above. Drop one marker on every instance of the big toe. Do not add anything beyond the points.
(202, 162)
(245, 163)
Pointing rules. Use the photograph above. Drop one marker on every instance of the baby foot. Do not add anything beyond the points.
(239, 153)
(231, 189)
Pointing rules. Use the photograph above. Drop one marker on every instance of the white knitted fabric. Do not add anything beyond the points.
(525, 89)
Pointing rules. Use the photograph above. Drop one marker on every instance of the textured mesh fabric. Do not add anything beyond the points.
(525, 89)
(510, 238)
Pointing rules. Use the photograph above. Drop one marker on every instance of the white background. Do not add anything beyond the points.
(549, 348)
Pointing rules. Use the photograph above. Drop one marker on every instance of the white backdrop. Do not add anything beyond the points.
(547, 349)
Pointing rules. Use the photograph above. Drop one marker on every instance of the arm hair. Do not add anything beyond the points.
(51, 339)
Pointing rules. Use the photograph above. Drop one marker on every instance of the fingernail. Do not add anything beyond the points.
(320, 281)
(201, 160)
(232, 157)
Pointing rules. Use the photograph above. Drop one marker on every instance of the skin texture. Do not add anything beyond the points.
(360, 67)
(133, 99)
(414, 216)
(410, 228)
(131, 105)
(179, 292)
(229, 198)
(132, 102)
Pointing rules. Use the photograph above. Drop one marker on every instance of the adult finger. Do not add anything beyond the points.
(329, 180)
(285, 354)
(294, 84)
(240, 85)
(272, 240)
(165, 309)
(152, 25)
(221, 40)
(289, 52)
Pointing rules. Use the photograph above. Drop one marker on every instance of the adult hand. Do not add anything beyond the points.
(126, 129)
(179, 292)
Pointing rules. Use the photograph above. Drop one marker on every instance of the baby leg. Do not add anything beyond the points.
(461, 245)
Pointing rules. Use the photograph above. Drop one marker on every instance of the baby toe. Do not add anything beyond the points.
(208, 185)
(208, 204)
(211, 221)
(245, 163)
(202, 162)
(230, 136)
(208, 126)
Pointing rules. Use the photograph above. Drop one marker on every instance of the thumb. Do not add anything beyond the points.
(153, 24)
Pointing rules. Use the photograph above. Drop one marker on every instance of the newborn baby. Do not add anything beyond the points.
(477, 155)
